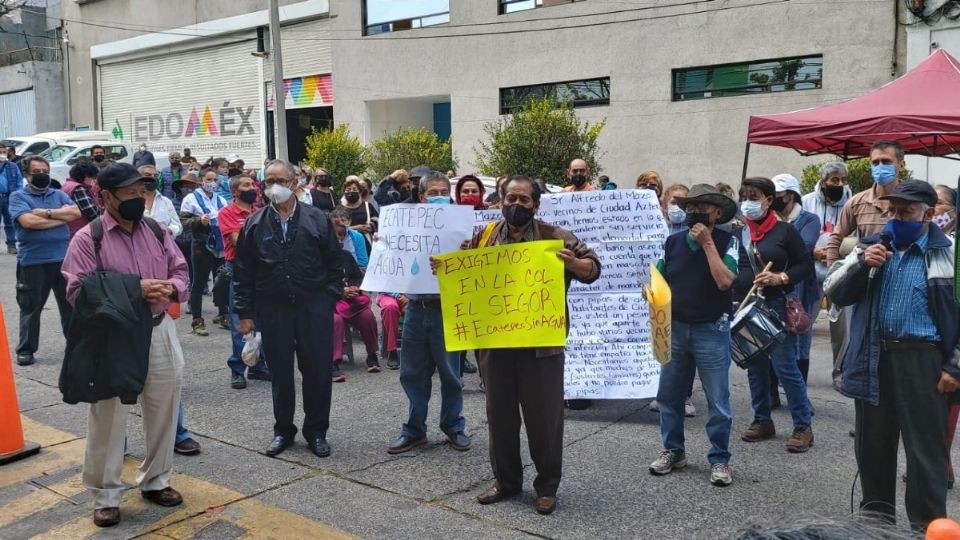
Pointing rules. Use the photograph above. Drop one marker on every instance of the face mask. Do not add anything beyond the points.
(943, 220)
(352, 196)
(302, 182)
(150, 185)
(579, 180)
(884, 174)
(517, 215)
(40, 180)
(174, 164)
(778, 204)
(904, 232)
(833, 193)
(675, 214)
(698, 217)
(278, 194)
(3, 158)
(132, 209)
(324, 180)
(222, 178)
(209, 186)
(438, 199)
(142, 148)
(751, 209)
(99, 158)
(249, 196)
(470, 199)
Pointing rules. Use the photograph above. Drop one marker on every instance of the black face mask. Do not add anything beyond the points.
(778, 204)
(833, 193)
(99, 158)
(174, 164)
(579, 180)
(517, 215)
(132, 209)
(249, 196)
(697, 217)
(40, 180)
(151, 185)
(352, 196)
(324, 180)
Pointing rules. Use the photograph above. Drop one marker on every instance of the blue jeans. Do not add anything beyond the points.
(236, 338)
(783, 357)
(703, 348)
(7, 222)
(182, 432)
(423, 352)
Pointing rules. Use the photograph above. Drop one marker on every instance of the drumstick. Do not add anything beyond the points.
(753, 289)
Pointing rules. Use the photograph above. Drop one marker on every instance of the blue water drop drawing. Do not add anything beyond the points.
(415, 269)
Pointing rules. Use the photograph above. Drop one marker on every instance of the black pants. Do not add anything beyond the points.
(34, 284)
(909, 405)
(516, 379)
(304, 330)
(186, 248)
(204, 263)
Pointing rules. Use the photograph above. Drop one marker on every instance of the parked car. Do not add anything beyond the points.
(37, 144)
(63, 156)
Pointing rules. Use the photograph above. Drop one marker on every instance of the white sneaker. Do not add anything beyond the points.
(720, 475)
(654, 406)
(667, 462)
(688, 409)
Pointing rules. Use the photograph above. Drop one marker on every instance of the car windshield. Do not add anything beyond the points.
(57, 153)
(11, 142)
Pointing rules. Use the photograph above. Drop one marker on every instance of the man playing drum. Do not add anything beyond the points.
(700, 264)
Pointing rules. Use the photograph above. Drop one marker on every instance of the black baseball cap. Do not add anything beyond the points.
(914, 191)
(118, 175)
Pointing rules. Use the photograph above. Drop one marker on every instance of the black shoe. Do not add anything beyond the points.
(579, 404)
(405, 443)
(393, 360)
(277, 445)
(468, 366)
(238, 382)
(259, 375)
(319, 446)
(24, 359)
(459, 441)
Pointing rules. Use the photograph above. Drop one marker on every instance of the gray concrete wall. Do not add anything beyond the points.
(688, 142)
(46, 80)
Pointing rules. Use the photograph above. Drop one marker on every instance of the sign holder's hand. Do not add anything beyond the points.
(581, 268)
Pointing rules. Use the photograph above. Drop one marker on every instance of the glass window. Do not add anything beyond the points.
(584, 93)
(381, 16)
(785, 74)
(58, 152)
(512, 6)
(36, 148)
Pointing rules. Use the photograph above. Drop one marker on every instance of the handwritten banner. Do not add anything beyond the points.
(497, 297)
(659, 299)
(409, 235)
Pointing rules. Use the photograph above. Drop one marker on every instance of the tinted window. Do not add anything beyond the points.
(58, 152)
(761, 76)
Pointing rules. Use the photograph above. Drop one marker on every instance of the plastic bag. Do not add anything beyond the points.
(251, 349)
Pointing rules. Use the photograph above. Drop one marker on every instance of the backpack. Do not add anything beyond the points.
(96, 234)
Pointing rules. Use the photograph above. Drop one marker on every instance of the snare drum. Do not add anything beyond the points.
(755, 330)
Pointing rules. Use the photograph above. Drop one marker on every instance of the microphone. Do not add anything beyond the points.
(886, 240)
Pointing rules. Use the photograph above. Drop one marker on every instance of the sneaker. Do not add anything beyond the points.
(238, 381)
(801, 440)
(688, 409)
(338, 375)
(468, 366)
(393, 360)
(199, 328)
(12, 250)
(223, 321)
(667, 462)
(373, 364)
(720, 475)
(654, 406)
(759, 431)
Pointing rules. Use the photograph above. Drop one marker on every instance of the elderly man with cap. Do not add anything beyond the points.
(129, 244)
(700, 264)
(902, 360)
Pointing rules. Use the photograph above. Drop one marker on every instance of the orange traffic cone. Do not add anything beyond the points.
(12, 445)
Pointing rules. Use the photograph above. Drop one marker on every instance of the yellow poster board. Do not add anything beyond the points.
(503, 297)
(658, 296)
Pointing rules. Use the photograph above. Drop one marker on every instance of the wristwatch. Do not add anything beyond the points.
(49, 213)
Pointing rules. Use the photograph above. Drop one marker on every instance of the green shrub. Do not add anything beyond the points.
(337, 152)
(408, 148)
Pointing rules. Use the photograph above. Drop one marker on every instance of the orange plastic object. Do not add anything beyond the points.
(943, 529)
(12, 445)
(173, 310)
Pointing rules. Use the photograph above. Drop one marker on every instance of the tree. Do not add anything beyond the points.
(539, 140)
(408, 148)
(337, 152)
(859, 176)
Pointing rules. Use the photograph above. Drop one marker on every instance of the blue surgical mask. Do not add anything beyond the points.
(675, 214)
(222, 178)
(884, 173)
(438, 199)
(751, 209)
(904, 232)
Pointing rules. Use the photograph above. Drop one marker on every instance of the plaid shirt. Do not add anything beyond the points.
(88, 208)
(904, 311)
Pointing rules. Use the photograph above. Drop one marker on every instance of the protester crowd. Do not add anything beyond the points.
(279, 251)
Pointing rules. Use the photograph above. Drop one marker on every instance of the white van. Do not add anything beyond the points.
(63, 156)
(37, 144)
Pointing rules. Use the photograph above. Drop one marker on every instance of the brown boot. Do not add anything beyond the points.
(759, 431)
(801, 440)
(106, 517)
(495, 494)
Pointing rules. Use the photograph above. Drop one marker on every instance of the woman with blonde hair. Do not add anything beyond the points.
(651, 180)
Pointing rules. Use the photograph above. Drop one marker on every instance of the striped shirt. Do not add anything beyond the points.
(904, 311)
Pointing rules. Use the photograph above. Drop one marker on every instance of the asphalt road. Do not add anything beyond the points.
(362, 491)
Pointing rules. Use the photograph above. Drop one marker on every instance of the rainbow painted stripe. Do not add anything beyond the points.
(204, 126)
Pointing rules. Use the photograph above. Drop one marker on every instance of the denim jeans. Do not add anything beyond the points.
(182, 432)
(423, 352)
(7, 222)
(236, 359)
(702, 348)
(783, 357)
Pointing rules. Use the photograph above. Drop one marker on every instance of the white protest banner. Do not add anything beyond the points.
(408, 235)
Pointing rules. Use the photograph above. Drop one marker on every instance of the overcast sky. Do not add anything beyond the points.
(390, 10)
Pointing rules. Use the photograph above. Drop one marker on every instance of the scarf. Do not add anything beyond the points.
(758, 229)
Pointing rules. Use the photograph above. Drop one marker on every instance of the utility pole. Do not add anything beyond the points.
(279, 100)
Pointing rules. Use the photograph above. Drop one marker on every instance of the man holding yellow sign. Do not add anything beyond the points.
(700, 265)
(515, 295)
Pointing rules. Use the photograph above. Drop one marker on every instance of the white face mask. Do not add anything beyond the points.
(943, 220)
(3, 158)
(676, 214)
(752, 209)
(278, 194)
